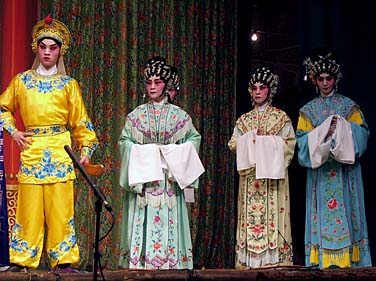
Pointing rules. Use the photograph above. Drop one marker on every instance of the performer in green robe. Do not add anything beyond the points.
(155, 223)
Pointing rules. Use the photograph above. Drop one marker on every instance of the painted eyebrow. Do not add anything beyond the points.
(54, 44)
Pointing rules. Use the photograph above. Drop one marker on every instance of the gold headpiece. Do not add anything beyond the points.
(51, 28)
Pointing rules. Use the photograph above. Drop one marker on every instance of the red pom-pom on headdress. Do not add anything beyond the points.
(48, 20)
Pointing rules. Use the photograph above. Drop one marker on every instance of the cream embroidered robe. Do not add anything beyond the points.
(263, 235)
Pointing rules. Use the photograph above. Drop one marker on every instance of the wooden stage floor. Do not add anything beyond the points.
(280, 273)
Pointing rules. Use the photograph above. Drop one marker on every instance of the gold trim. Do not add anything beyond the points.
(12, 187)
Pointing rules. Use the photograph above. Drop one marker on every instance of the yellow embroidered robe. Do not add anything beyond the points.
(48, 105)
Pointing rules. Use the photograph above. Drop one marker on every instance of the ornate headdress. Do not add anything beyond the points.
(51, 28)
(322, 61)
(157, 66)
(264, 75)
(173, 83)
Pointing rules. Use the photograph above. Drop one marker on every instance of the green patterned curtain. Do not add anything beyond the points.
(112, 40)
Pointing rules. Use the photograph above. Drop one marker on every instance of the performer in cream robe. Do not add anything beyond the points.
(155, 223)
(264, 141)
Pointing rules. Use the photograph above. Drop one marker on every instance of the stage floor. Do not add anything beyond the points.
(280, 273)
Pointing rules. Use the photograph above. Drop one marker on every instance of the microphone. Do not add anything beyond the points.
(97, 192)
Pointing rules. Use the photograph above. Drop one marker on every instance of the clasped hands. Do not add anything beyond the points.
(333, 125)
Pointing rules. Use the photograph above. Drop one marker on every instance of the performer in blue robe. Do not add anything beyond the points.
(332, 135)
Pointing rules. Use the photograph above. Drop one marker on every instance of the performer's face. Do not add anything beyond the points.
(260, 93)
(48, 52)
(154, 87)
(325, 82)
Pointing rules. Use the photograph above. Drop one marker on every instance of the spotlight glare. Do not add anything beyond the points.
(254, 37)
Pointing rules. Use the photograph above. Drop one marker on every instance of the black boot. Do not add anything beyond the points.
(17, 268)
(65, 268)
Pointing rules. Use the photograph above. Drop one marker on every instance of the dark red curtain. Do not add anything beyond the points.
(16, 21)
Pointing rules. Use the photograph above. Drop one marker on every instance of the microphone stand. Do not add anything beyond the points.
(97, 255)
(98, 208)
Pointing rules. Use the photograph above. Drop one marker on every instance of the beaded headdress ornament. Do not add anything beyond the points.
(157, 66)
(264, 75)
(51, 28)
(321, 64)
(173, 83)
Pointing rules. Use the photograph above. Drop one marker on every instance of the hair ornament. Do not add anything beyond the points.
(264, 75)
(318, 64)
(157, 66)
(173, 82)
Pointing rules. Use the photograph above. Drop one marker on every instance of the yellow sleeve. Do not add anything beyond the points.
(8, 106)
(356, 117)
(83, 129)
(304, 123)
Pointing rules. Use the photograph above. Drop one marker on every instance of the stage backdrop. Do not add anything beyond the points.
(112, 40)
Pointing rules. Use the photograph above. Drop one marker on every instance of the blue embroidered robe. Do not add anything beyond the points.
(336, 230)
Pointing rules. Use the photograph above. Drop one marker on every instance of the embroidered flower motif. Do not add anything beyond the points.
(46, 86)
(156, 246)
(332, 173)
(332, 204)
(257, 229)
(257, 184)
(66, 245)
(21, 246)
(46, 168)
(170, 192)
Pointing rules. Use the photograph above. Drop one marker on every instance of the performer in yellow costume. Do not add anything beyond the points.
(49, 101)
